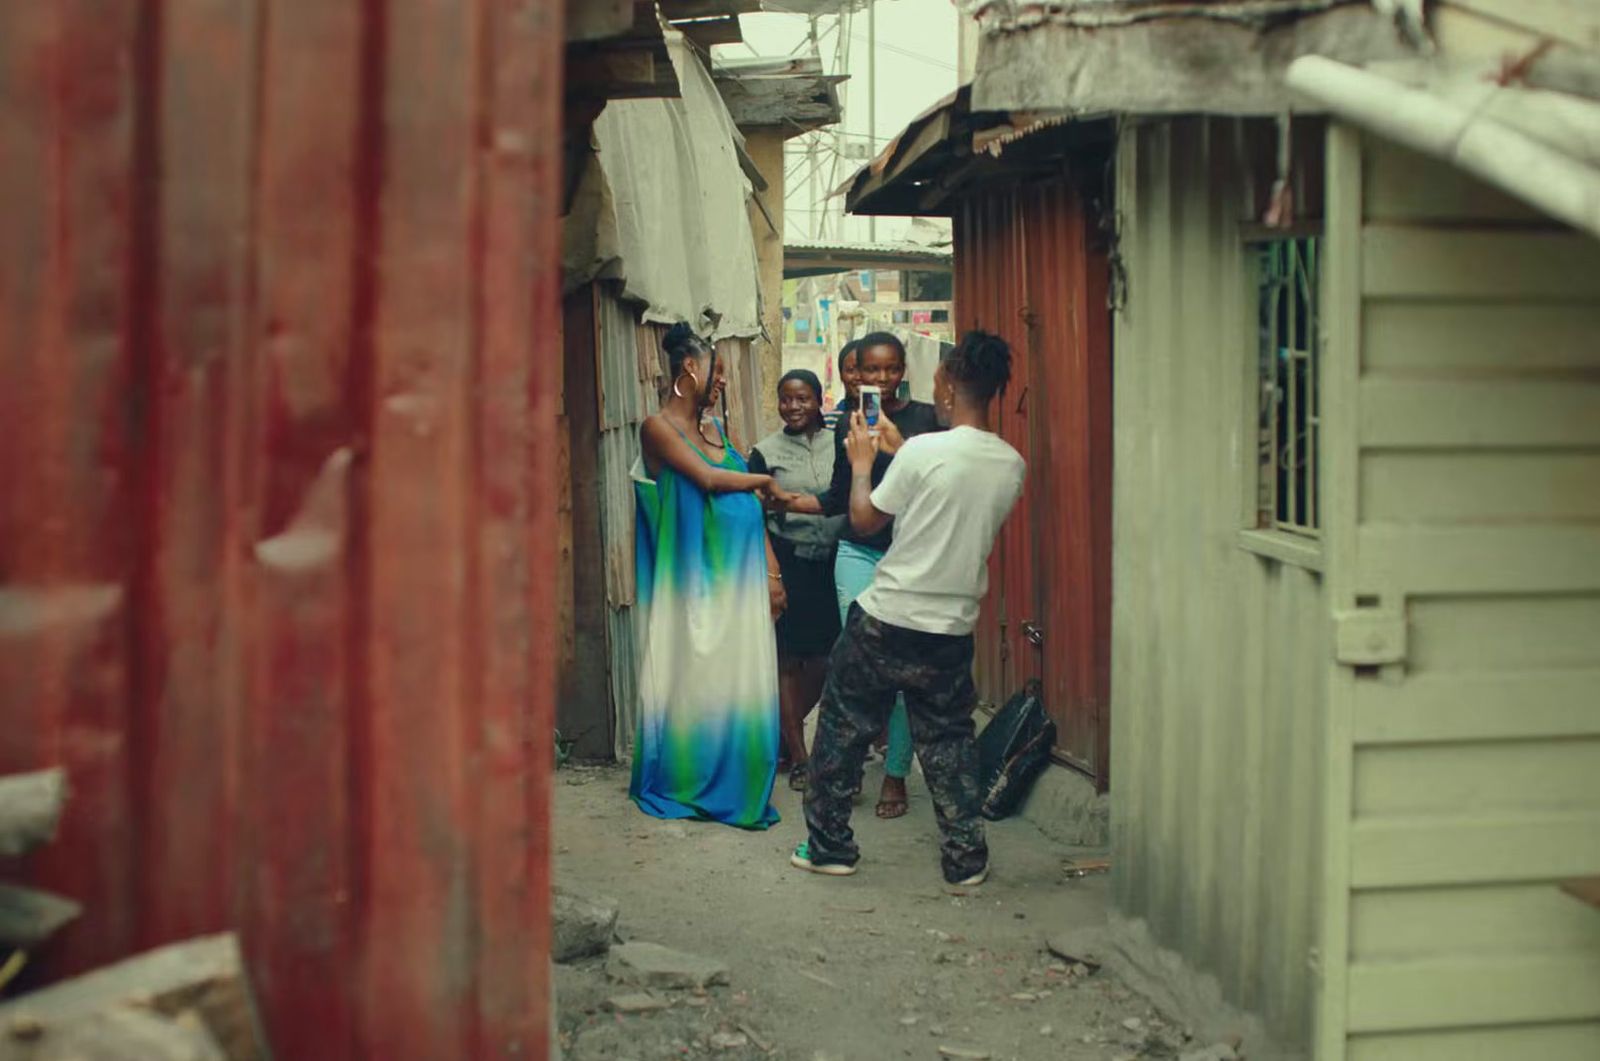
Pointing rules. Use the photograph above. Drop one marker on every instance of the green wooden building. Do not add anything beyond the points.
(1355, 621)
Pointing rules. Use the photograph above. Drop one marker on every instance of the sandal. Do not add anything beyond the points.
(893, 808)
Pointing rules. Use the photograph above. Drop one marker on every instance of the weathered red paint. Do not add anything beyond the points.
(1028, 265)
(277, 287)
(303, 435)
(69, 534)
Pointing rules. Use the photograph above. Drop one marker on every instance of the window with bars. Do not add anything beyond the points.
(1288, 359)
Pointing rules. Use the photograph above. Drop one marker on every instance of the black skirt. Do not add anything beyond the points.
(810, 624)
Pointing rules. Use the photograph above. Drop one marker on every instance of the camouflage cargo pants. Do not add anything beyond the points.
(871, 662)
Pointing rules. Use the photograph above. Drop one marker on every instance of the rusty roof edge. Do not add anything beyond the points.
(995, 140)
(967, 133)
(1159, 66)
(953, 104)
(1010, 17)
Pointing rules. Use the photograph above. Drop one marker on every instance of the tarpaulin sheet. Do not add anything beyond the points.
(665, 209)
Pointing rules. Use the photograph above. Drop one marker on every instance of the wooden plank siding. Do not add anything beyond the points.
(1473, 763)
(1219, 653)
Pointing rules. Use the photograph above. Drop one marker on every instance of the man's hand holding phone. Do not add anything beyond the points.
(889, 437)
(860, 446)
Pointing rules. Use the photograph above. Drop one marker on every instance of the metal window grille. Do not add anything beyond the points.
(1290, 406)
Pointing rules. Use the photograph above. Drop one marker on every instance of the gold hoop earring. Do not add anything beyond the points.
(676, 392)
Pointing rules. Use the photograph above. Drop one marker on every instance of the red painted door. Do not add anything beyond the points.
(990, 277)
(1029, 268)
(1069, 351)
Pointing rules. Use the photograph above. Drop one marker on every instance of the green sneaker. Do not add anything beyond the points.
(801, 859)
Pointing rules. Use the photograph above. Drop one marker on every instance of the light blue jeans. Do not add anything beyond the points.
(852, 574)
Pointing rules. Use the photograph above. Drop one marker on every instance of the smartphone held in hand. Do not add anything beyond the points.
(871, 407)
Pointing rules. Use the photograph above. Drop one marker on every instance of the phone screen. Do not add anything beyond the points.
(871, 405)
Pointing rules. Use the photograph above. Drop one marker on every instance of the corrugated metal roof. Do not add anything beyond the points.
(955, 147)
(806, 258)
(911, 251)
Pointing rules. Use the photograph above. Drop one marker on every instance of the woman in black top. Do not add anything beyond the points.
(882, 364)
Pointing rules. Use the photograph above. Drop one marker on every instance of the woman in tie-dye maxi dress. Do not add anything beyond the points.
(707, 743)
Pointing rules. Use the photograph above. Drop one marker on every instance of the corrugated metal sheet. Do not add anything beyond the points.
(980, 234)
(632, 370)
(277, 475)
(1470, 780)
(1028, 267)
(1219, 656)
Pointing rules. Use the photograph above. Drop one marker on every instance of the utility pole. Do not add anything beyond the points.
(872, 101)
(813, 215)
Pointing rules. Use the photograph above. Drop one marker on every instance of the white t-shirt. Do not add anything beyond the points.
(948, 492)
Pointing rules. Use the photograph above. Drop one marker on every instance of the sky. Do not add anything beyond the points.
(917, 53)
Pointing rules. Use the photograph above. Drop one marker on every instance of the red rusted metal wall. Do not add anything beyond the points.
(1029, 266)
(278, 316)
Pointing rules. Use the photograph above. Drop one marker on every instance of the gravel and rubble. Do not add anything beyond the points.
(746, 958)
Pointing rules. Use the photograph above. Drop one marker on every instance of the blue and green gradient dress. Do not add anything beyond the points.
(707, 745)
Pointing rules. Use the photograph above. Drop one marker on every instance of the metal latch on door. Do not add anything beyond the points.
(1370, 637)
(1034, 633)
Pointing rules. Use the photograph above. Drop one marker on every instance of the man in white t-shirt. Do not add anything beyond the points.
(911, 631)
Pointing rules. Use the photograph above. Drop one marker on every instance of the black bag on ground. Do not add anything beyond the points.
(1013, 750)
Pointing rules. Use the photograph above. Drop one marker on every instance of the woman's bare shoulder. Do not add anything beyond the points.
(655, 427)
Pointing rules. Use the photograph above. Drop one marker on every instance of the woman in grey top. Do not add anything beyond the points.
(800, 458)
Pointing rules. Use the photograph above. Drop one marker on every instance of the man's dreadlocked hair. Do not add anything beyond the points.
(980, 364)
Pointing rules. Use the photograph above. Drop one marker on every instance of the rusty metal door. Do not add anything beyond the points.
(1069, 329)
(989, 276)
(1028, 267)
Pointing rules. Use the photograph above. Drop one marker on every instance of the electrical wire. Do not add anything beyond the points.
(907, 52)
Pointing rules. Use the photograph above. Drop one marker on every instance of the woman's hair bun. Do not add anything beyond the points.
(679, 336)
(681, 343)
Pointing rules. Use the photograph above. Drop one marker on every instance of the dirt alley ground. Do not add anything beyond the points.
(884, 964)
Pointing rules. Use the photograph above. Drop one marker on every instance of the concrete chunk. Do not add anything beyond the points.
(29, 917)
(640, 1002)
(581, 928)
(1215, 1052)
(117, 1034)
(652, 965)
(30, 808)
(204, 976)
